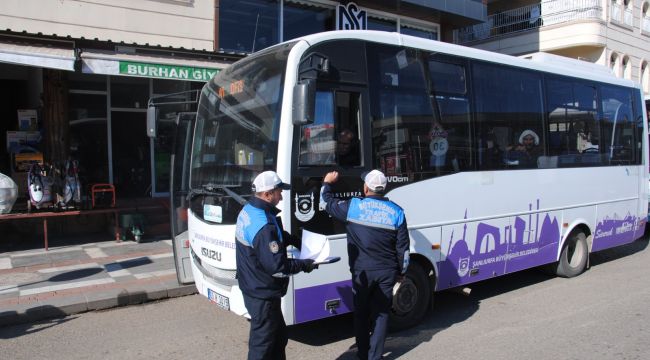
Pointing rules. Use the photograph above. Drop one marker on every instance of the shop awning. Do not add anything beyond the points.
(159, 67)
(38, 56)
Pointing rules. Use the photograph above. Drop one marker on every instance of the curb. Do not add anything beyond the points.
(93, 301)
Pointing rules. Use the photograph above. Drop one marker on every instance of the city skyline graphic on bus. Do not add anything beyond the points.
(493, 248)
(496, 247)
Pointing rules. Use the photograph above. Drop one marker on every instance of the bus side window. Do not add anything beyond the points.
(617, 126)
(348, 116)
(450, 148)
(333, 138)
(317, 141)
(508, 103)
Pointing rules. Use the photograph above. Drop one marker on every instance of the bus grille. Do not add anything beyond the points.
(220, 276)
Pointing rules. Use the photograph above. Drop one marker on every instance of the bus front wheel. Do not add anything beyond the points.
(411, 298)
(573, 259)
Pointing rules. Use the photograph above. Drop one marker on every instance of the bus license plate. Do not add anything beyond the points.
(221, 301)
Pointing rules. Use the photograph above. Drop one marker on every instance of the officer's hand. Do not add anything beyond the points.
(331, 177)
(308, 265)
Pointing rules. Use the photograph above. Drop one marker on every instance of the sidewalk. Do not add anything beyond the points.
(38, 284)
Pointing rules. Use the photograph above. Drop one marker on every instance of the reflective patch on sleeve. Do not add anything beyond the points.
(274, 247)
(406, 262)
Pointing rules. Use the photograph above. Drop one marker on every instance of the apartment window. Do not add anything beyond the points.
(614, 63)
(645, 77)
(381, 24)
(645, 18)
(301, 19)
(248, 26)
(627, 67)
(412, 30)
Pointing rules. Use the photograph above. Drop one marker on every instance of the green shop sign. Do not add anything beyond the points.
(167, 71)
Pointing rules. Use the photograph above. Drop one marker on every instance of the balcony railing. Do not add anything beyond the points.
(531, 17)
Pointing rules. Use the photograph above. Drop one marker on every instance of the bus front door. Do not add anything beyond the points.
(179, 185)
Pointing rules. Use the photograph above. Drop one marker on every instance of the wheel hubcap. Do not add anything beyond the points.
(406, 297)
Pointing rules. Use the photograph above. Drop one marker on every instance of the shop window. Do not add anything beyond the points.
(248, 26)
(300, 20)
(87, 82)
(129, 92)
(88, 133)
(130, 152)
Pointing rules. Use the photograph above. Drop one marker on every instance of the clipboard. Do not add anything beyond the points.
(329, 260)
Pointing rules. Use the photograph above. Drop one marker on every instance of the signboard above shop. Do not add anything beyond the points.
(150, 67)
(166, 71)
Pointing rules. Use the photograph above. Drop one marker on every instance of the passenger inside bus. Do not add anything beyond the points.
(526, 153)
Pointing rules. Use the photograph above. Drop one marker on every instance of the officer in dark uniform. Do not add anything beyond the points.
(378, 251)
(263, 268)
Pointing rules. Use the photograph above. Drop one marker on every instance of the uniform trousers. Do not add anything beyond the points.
(268, 333)
(373, 298)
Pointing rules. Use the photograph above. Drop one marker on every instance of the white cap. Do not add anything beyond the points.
(268, 180)
(526, 133)
(375, 180)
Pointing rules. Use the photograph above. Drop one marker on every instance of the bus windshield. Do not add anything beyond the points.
(237, 125)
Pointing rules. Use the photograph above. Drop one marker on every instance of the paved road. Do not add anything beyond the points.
(602, 314)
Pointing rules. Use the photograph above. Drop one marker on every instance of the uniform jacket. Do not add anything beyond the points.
(376, 227)
(263, 268)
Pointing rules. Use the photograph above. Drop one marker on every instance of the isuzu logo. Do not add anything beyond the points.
(214, 255)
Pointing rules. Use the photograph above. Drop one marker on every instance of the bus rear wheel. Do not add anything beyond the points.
(411, 299)
(573, 259)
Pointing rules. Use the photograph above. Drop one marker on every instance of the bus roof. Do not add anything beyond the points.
(546, 62)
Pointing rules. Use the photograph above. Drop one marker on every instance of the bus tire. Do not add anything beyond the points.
(411, 299)
(574, 255)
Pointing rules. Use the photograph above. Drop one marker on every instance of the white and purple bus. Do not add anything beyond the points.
(445, 123)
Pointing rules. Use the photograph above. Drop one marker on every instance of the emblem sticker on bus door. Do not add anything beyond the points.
(304, 207)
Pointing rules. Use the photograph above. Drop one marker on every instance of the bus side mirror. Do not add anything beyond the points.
(152, 116)
(304, 98)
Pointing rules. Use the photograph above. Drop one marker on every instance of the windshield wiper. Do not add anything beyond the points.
(211, 189)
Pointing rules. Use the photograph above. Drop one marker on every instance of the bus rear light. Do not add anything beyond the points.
(186, 244)
(565, 225)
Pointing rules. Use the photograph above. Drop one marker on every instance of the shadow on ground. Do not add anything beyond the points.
(451, 307)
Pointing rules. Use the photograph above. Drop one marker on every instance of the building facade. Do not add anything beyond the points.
(85, 70)
(613, 33)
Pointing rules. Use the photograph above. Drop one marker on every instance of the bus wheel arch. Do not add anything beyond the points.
(414, 297)
(574, 256)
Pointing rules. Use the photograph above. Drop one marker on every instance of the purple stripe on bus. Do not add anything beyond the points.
(310, 302)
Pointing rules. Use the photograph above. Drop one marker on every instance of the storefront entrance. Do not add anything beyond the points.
(131, 156)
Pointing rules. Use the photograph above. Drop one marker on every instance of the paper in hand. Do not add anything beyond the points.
(314, 246)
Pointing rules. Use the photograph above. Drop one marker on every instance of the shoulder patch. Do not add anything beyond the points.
(274, 247)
